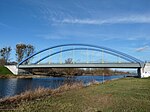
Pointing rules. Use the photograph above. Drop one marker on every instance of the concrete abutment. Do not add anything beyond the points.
(17, 71)
(145, 71)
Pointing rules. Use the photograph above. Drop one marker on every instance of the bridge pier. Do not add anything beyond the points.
(140, 72)
(144, 71)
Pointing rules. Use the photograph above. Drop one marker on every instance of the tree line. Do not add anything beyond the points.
(21, 51)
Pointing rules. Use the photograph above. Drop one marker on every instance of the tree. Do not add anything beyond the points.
(69, 61)
(23, 51)
(69, 71)
(2, 62)
(20, 51)
(5, 54)
(29, 50)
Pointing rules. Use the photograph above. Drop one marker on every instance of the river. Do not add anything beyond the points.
(14, 86)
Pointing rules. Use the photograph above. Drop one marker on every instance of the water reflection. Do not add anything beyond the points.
(10, 87)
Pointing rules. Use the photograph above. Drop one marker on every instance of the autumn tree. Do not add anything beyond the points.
(5, 54)
(23, 51)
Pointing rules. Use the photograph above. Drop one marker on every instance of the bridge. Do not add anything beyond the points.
(93, 56)
(83, 65)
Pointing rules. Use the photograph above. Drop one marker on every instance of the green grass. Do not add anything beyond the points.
(123, 95)
(4, 71)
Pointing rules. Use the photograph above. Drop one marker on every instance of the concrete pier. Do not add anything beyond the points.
(145, 72)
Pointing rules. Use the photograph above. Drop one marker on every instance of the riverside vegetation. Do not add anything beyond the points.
(60, 72)
(123, 95)
(4, 72)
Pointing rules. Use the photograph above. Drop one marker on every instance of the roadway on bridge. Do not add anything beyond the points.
(83, 65)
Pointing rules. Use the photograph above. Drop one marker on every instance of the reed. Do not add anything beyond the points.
(13, 101)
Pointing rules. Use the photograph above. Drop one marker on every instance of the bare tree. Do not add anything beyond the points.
(2, 62)
(5, 54)
(69, 71)
(20, 50)
(69, 61)
(23, 51)
(30, 49)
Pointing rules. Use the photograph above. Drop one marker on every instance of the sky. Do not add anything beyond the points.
(123, 25)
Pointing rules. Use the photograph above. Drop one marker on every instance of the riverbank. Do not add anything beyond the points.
(20, 76)
(6, 73)
(129, 94)
(8, 76)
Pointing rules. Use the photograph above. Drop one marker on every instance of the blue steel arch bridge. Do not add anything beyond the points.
(82, 56)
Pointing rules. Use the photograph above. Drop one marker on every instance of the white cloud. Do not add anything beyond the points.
(57, 13)
(51, 36)
(116, 20)
(144, 48)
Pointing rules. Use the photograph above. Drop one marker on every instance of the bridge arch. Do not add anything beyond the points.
(82, 47)
(72, 49)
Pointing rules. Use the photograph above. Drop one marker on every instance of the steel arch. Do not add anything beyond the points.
(114, 52)
(79, 49)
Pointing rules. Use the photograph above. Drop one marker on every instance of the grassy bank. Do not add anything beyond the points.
(4, 72)
(123, 95)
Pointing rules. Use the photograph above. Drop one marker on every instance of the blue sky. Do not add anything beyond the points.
(123, 25)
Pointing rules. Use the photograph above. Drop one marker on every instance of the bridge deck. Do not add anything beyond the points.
(83, 65)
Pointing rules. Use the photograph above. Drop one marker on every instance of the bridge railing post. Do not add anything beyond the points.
(87, 60)
(73, 55)
(102, 61)
(60, 56)
(50, 57)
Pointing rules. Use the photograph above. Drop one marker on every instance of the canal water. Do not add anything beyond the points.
(14, 86)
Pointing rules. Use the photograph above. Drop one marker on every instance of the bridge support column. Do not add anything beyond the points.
(140, 72)
(146, 70)
(143, 72)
